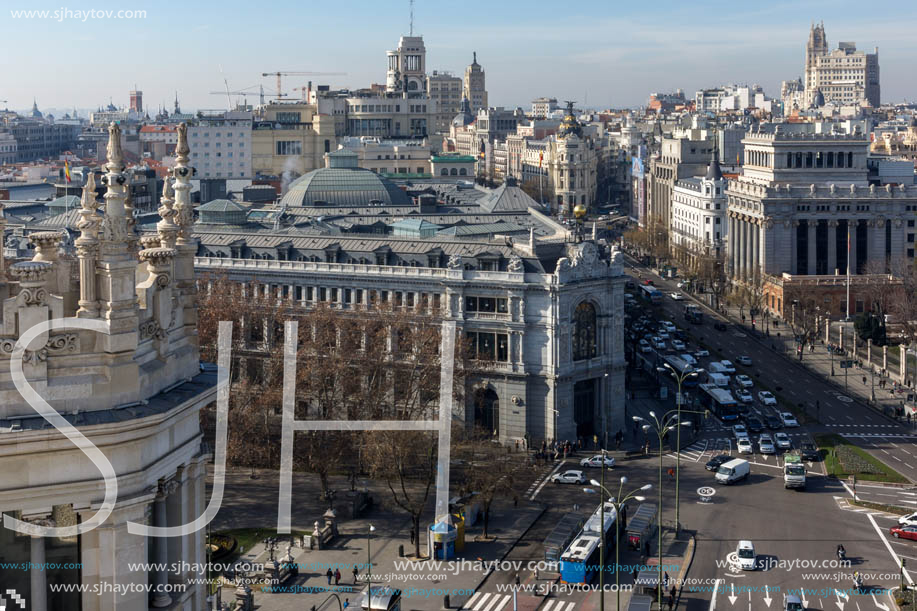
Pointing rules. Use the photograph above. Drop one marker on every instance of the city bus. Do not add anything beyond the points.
(720, 402)
(579, 562)
(651, 293)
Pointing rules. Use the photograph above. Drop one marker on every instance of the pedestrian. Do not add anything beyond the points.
(412, 536)
(634, 575)
(347, 603)
(517, 579)
(674, 591)
(536, 573)
(337, 576)
(646, 549)
(356, 573)
(517, 445)
(671, 472)
(671, 603)
(864, 380)
(515, 501)
(330, 575)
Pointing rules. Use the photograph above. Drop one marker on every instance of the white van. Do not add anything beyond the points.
(746, 555)
(732, 471)
(718, 379)
(717, 367)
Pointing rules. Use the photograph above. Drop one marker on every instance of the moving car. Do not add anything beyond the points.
(754, 425)
(904, 532)
(659, 344)
(687, 358)
(732, 471)
(744, 381)
(766, 444)
(669, 326)
(773, 422)
(783, 441)
(596, 461)
(767, 398)
(792, 603)
(569, 477)
(644, 346)
(789, 420)
(701, 352)
(739, 431)
(714, 463)
(677, 344)
(744, 446)
(746, 555)
(809, 451)
(728, 366)
(908, 520)
(744, 396)
(744, 360)
(662, 333)
(676, 296)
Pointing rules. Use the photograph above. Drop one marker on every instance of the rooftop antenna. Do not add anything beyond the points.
(412, 17)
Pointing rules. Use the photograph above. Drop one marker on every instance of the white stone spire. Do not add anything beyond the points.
(184, 217)
(166, 228)
(114, 224)
(87, 248)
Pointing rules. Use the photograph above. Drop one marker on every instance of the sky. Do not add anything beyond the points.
(600, 53)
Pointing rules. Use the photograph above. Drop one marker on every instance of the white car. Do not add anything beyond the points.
(728, 367)
(739, 431)
(745, 553)
(659, 344)
(744, 360)
(743, 444)
(569, 477)
(766, 444)
(701, 353)
(744, 381)
(668, 325)
(687, 358)
(767, 398)
(744, 396)
(908, 520)
(783, 441)
(676, 296)
(789, 420)
(677, 344)
(596, 461)
(645, 346)
(662, 334)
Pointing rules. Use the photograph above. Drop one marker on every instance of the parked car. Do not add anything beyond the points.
(904, 532)
(677, 344)
(809, 451)
(766, 444)
(676, 296)
(739, 430)
(701, 353)
(714, 463)
(743, 396)
(783, 441)
(789, 420)
(569, 477)
(744, 381)
(744, 446)
(767, 398)
(728, 367)
(596, 461)
(754, 425)
(744, 360)
(773, 422)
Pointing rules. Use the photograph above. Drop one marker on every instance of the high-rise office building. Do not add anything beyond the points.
(475, 90)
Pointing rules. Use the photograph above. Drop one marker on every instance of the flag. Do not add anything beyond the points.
(540, 159)
(67, 170)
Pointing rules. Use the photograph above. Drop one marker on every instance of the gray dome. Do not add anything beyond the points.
(464, 118)
(819, 99)
(336, 186)
(713, 170)
(222, 212)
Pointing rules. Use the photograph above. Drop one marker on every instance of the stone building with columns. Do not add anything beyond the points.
(118, 361)
(799, 197)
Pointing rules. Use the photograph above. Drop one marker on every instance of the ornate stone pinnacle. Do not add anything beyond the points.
(150, 241)
(46, 245)
(157, 256)
(30, 272)
(115, 157)
(181, 148)
(88, 200)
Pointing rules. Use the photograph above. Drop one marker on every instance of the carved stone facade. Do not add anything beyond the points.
(131, 384)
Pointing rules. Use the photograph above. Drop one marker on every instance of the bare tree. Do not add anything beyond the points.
(803, 315)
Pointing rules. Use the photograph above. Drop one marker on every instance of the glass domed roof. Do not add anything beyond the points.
(344, 186)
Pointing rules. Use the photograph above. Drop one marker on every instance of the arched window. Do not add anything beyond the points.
(463, 172)
(453, 172)
(584, 334)
(444, 172)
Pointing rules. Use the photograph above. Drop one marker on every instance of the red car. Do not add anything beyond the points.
(648, 283)
(904, 532)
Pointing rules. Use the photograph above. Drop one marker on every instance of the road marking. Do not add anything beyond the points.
(493, 600)
(716, 588)
(891, 551)
(503, 603)
(473, 599)
(547, 477)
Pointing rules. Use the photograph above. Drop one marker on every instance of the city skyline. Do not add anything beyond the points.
(524, 55)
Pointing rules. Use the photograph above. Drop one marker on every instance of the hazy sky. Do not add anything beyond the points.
(610, 53)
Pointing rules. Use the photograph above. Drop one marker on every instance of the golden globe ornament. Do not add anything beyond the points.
(579, 211)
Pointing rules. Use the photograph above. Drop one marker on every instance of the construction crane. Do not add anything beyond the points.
(282, 73)
(304, 90)
(229, 93)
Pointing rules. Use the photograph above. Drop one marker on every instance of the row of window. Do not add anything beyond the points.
(486, 304)
(228, 145)
(486, 346)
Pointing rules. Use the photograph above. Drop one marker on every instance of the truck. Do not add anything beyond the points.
(640, 528)
(693, 314)
(794, 472)
(733, 471)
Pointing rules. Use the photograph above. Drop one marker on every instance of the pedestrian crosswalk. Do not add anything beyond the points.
(865, 426)
(561, 605)
(486, 601)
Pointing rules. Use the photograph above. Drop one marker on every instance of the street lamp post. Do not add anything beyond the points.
(369, 570)
(662, 426)
(618, 503)
(679, 400)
